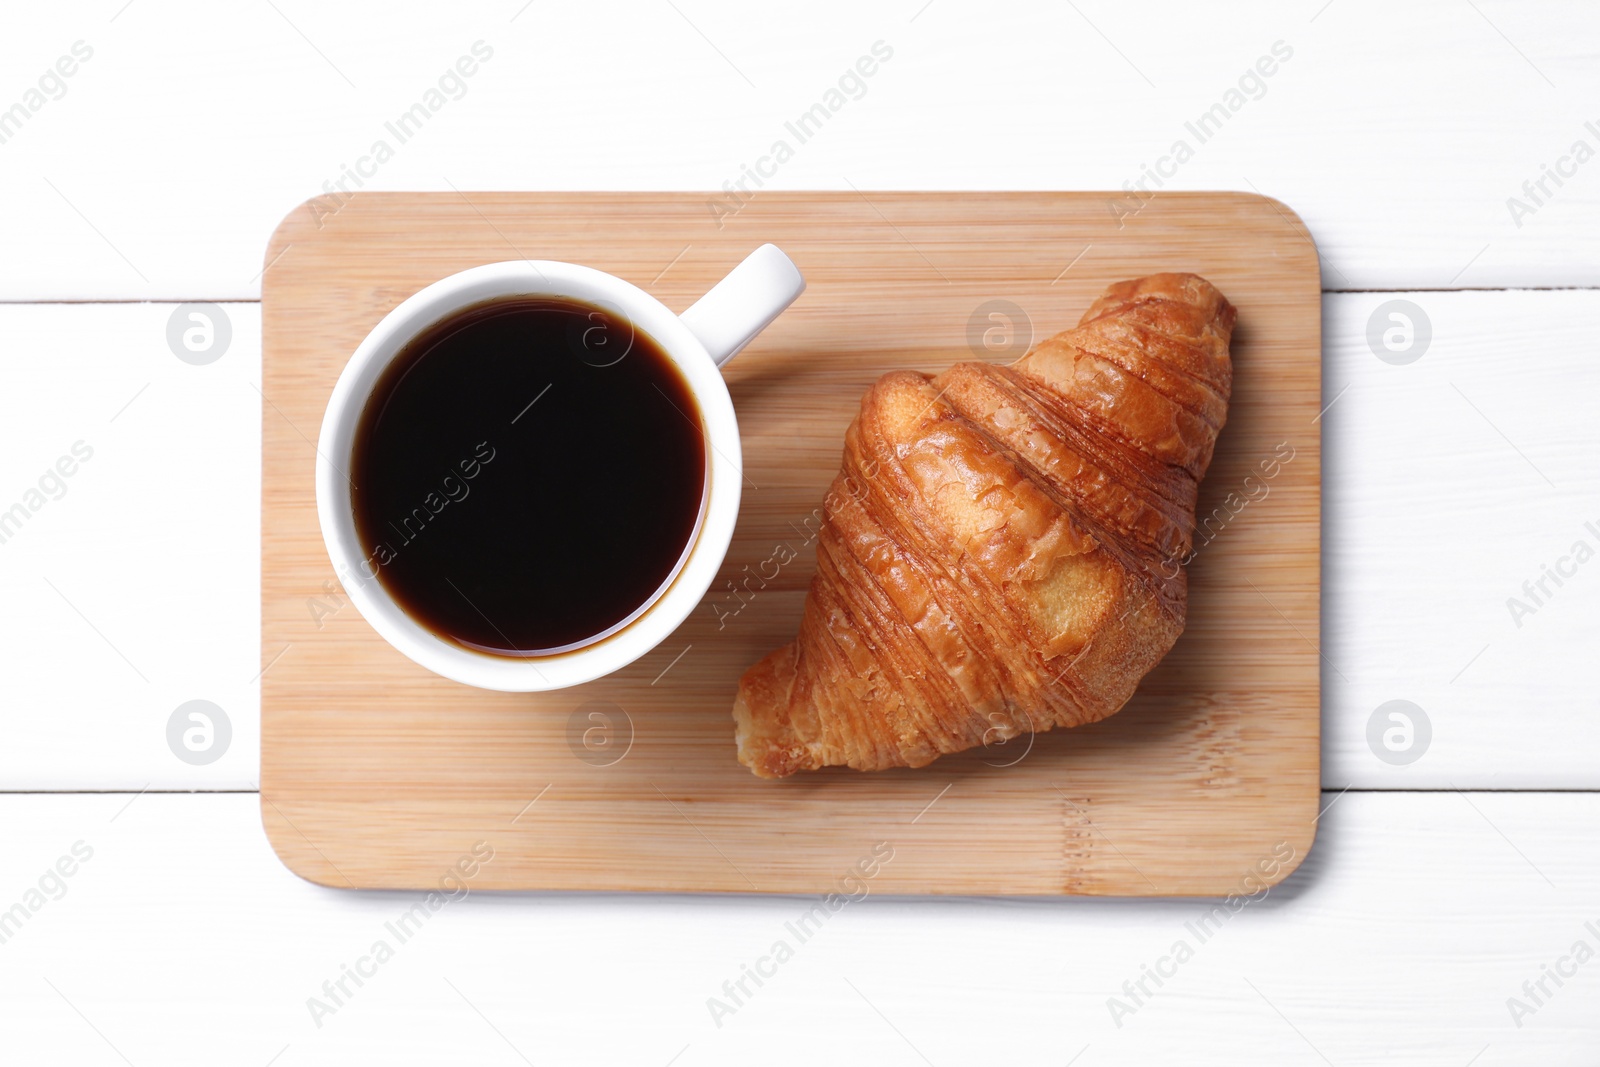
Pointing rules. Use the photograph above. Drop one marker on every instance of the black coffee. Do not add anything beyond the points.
(527, 473)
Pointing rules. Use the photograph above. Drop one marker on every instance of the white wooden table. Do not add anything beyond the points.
(1438, 919)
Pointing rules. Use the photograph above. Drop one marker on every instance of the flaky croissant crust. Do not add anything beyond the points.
(1000, 548)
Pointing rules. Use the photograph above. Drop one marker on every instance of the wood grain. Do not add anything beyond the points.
(376, 773)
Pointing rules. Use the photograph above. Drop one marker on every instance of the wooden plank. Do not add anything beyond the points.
(184, 941)
(1454, 482)
(234, 122)
(371, 766)
(132, 585)
(1432, 523)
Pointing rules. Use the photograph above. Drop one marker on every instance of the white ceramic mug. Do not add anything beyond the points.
(699, 341)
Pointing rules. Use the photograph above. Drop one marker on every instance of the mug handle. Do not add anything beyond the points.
(745, 302)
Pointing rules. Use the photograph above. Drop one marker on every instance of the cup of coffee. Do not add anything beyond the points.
(529, 472)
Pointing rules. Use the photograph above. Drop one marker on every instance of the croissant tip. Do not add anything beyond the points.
(1183, 287)
(769, 746)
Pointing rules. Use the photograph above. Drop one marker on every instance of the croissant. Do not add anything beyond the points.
(1001, 550)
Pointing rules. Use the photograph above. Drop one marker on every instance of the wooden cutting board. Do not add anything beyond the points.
(375, 773)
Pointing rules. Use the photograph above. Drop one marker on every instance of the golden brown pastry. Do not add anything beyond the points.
(1000, 547)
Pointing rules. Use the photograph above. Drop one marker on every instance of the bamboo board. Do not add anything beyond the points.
(378, 774)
